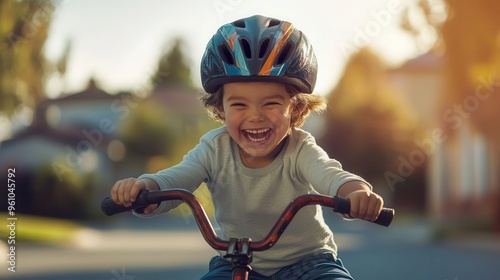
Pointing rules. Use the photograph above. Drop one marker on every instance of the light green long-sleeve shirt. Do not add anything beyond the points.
(248, 201)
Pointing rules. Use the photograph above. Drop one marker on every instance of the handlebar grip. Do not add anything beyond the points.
(109, 207)
(343, 206)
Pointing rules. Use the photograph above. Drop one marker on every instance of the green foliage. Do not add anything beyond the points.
(62, 199)
(368, 125)
(148, 131)
(173, 68)
(24, 27)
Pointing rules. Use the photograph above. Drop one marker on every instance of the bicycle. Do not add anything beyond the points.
(239, 250)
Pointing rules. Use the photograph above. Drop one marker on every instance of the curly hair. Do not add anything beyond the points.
(303, 104)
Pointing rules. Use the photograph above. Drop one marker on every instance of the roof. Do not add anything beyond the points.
(427, 62)
(91, 93)
(178, 99)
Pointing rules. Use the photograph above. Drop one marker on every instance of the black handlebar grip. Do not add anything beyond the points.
(109, 207)
(343, 206)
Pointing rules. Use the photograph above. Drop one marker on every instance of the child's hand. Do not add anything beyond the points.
(365, 204)
(124, 192)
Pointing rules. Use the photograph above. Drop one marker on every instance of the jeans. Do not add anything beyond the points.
(321, 266)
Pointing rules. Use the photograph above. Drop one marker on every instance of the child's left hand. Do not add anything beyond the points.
(365, 204)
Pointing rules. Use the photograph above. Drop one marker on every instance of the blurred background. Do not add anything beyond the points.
(96, 91)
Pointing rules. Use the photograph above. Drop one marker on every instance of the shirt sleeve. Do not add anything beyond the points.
(318, 169)
(188, 174)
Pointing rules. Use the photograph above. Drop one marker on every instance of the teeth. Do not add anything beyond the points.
(256, 139)
(257, 131)
(254, 134)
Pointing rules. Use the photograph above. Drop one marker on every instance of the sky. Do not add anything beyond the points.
(119, 42)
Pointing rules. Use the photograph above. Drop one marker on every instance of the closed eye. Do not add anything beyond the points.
(237, 105)
(272, 103)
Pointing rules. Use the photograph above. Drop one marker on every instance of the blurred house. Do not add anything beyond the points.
(69, 139)
(76, 148)
(461, 165)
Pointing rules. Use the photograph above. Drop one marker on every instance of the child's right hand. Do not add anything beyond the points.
(124, 192)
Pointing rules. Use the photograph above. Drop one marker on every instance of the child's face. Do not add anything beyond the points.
(257, 116)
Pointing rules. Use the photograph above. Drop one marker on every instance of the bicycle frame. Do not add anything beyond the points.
(239, 250)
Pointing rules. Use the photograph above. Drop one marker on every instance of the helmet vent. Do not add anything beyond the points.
(285, 53)
(263, 47)
(246, 48)
(273, 22)
(239, 23)
(226, 54)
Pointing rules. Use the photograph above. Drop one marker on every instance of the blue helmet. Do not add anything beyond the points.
(259, 49)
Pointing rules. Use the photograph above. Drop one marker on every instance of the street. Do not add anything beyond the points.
(136, 249)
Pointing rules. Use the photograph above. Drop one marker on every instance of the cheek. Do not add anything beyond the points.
(293, 113)
(287, 112)
(281, 118)
(233, 120)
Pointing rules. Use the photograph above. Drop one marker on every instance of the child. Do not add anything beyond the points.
(259, 73)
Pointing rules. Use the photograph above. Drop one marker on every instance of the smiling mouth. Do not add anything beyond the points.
(257, 135)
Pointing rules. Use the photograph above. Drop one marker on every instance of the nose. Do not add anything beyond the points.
(255, 114)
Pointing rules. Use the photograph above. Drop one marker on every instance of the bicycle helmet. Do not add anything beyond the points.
(259, 49)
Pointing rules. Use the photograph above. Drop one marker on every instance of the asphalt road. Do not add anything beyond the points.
(136, 249)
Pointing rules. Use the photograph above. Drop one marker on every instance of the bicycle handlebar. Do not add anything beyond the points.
(146, 197)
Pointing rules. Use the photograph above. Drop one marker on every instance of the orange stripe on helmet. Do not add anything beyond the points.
(231, 40)
(286, 29)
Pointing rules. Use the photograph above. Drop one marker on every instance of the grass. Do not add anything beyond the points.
(39, 229)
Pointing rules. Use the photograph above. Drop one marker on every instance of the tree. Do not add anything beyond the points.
(147, 132)
(368, 126)
(24, 26)
(173, 68)
(470, 36)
